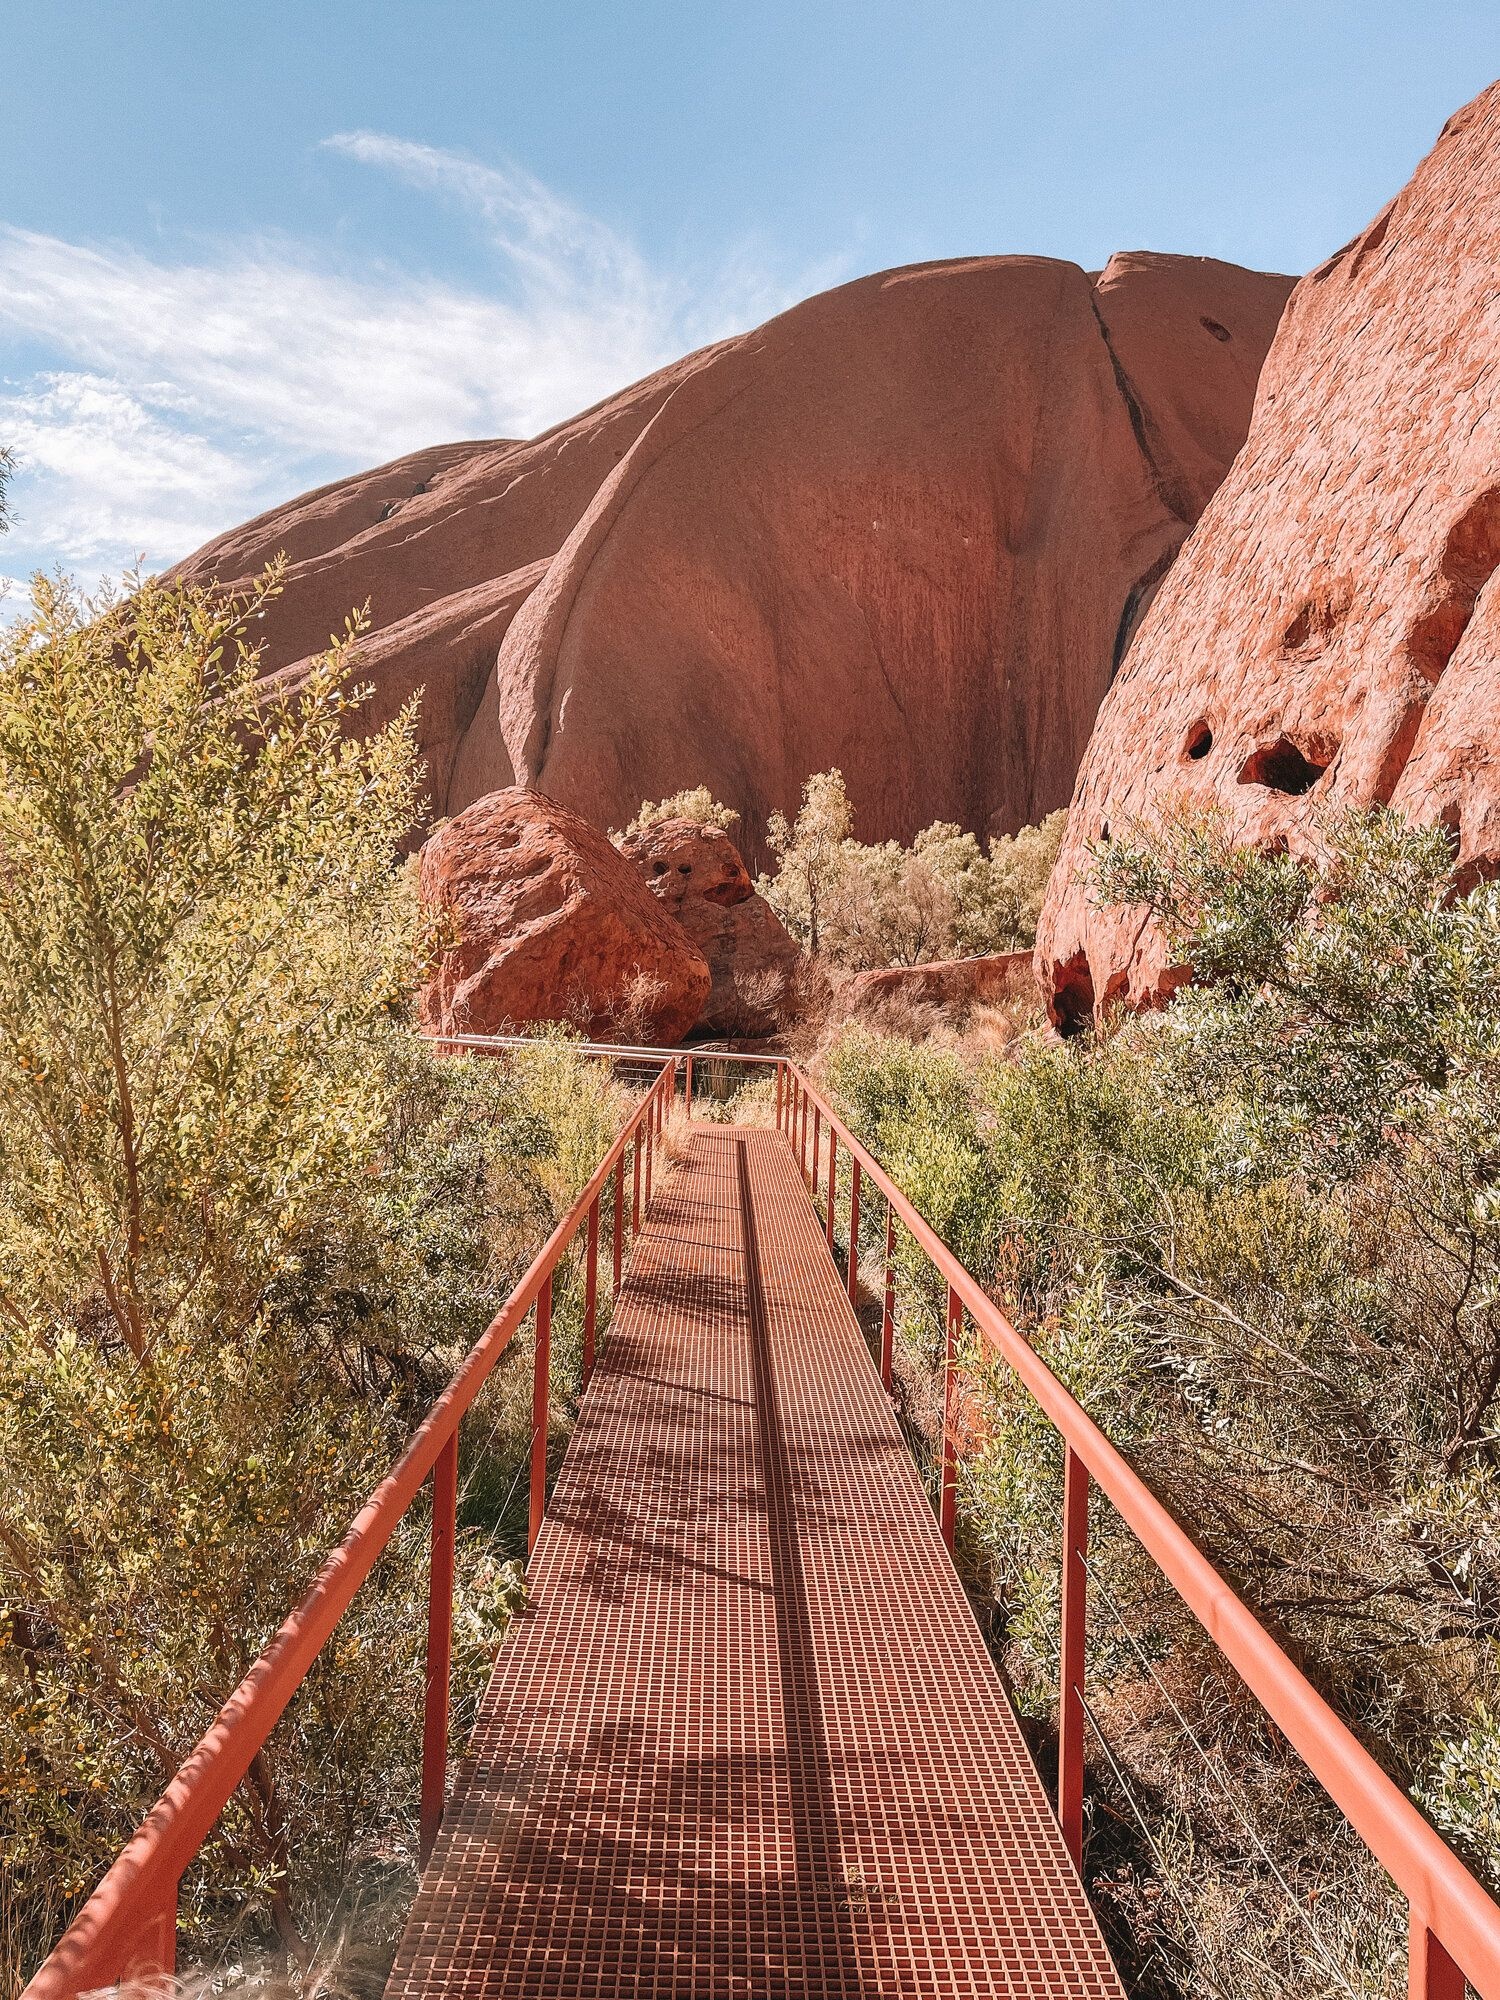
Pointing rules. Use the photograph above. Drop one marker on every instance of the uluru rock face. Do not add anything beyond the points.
(552, 925)
(906, 528)
(950, 987)
(1330, 635)
(696, 873)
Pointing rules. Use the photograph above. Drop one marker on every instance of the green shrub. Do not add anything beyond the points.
(1257, 1235)
(942, 897)
(247, 1226)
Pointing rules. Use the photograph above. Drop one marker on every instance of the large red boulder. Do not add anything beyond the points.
(1330, 635)
(951, 987)
(696, 872)
(552, 925)
(905, 528)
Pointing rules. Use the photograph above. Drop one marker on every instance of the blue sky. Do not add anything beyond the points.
(247, 248)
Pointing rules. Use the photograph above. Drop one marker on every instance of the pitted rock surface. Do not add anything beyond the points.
(1328, 637)
(696, 872)
(552, 925)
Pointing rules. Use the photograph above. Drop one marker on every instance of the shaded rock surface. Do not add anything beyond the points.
(905, 528)
(697, 874)
(1328, 637)
(951, 986)
(553, 925)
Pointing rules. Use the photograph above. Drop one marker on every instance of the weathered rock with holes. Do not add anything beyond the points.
(696, 873)
(1328, 637)
(553, 925)
(904, 528)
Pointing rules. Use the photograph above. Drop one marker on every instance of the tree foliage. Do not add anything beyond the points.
(698, 805)
(247, 1224)
(198, 932)
(809, 851)
(944, 896)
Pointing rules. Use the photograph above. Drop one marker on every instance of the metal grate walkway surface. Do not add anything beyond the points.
(746, 1739)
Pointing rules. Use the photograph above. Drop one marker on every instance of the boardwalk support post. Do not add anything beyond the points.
(1070, 1713)
(833, 1187)
(591, 1291)
(779, 1082)
(948, 1490)
(888, 1309)
(541, 1396)
(816, 1143)
(1432, 1974)
(854, 1180)
(619, 1230)
(635, 1183)
(439, 1646)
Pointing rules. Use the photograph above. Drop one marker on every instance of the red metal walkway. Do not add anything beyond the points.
(746, 1739)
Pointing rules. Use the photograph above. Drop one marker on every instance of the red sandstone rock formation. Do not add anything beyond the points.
(697, 875)
(950, 986)
(553, 925)
(905, 528)
(1330, 636)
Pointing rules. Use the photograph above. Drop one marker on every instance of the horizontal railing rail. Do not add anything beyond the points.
(128, 1926)
(1454, 1923)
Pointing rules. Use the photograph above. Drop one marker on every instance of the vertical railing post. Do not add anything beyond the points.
(652, 1105)
(541, 1398)
(1432, 1974)
(888, 1309)
(778, 1096)
(948, 1488)
(439, 1647)
(1070, 1714)
(854, 1180)
(816, 1131)
(619, 1229)
(151, 1954)
(635, 1183)
(833, 1185)
(687, 1089)
(591, 1291)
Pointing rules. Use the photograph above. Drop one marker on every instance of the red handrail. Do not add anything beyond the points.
(1454, 1923)
(127, 1928)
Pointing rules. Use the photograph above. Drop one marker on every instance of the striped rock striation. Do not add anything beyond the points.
(906, 528)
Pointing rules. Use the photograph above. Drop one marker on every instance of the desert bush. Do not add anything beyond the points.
(246, 1226)
(1255, 1233)
(944, 896)
(698, 805)
(808, 853)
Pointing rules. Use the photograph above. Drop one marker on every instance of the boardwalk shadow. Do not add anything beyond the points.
(650, 1859)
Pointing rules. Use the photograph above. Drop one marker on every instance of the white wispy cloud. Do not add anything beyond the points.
(175, 398)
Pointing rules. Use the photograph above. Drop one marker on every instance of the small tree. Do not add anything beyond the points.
(199, 926)
(809, 855)
(203, 938)
(885, 904)
(698, 805)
